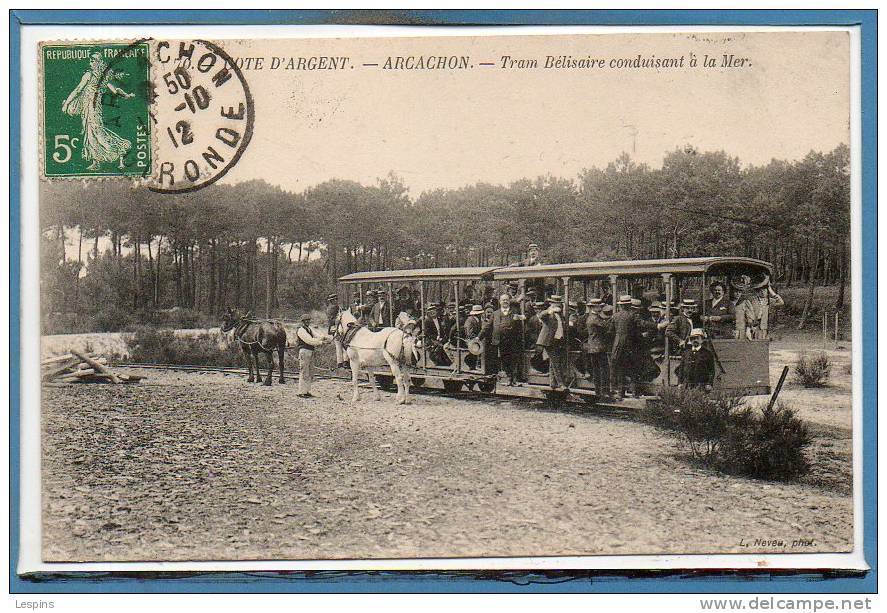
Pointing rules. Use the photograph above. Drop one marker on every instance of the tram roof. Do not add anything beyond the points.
(462, 273)
(636, 268)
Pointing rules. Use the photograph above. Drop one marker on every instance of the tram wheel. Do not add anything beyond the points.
(417, 381)
(451, 386)
(386, 382)
(486, 386)
(555, 396)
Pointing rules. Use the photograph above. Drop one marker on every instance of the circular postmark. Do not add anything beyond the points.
(203, 115)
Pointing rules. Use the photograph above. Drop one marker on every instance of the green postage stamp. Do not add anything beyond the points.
(96, 105)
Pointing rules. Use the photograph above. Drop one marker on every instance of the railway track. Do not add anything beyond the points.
(502, 392)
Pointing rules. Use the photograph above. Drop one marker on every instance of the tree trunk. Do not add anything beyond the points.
(808, 303)
(268, 275)
(842, 277)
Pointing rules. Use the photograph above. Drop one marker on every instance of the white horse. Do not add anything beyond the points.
(368, 349)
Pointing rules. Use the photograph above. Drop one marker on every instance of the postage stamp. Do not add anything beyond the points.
(96, 110)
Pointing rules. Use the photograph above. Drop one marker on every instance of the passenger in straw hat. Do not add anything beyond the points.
(598, 333)
(678, 331)
(554, 338)
(307, 342)
(470, 332)
(505, 338)
(753, 308)
(697, 369)
(332, 316)
(626, 344)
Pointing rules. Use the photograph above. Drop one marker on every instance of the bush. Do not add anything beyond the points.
(813, 372)
(769, 445)
(723, 433)
(154, 346)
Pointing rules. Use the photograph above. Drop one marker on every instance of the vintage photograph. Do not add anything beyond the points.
(446, 296)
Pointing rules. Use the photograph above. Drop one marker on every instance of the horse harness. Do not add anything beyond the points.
(352, 331)
(241, 328)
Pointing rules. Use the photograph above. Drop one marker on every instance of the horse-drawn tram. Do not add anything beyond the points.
(439, 301)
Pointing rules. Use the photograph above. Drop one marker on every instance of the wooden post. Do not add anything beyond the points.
(566, 316)
(422, 324)
(837, 317)
(458, 331)
(666, 279)
(824, 329)
(390, 304)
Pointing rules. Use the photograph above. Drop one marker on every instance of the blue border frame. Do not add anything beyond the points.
(515, 582)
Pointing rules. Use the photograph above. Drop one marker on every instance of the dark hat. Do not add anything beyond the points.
(431, 307)
(332, 297)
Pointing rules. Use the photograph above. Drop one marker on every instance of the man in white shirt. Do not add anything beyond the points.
(307, 343)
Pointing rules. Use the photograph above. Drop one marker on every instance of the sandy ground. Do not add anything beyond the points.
(188, 466)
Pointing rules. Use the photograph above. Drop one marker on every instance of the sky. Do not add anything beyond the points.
(449, 128)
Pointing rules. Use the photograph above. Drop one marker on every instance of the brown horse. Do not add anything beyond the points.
(257, 336)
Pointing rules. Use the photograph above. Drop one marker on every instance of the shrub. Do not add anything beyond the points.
(704, 420)
(155, 346)
(766, 445)
(813, 372)
(721, 432)
(665, 411)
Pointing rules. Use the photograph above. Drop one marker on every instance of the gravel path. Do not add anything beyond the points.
(191, 466)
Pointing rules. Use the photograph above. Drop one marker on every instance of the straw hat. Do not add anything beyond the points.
(332, 297)
(636, 303)
(624, 299)
(697, 332)
(476, 310)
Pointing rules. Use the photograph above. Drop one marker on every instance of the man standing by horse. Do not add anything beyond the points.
(332, 315)
(307, 343)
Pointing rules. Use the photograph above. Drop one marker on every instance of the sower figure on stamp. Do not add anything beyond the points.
(99, 143)
(307, 343)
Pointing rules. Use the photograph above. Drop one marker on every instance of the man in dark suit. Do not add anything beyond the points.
(625, 344)
(599, 329)
(721, 312)
(433, 336)
(678, 331)
(554, 338)
(506, 337)
(697, 369)
(382, 312)
(364, 312)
